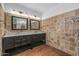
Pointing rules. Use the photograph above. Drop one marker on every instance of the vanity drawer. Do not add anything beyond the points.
(18, 39)
(25, 42)
(24, 38)
(17, 44)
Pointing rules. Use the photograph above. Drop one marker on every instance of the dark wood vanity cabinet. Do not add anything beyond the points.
(18, 41)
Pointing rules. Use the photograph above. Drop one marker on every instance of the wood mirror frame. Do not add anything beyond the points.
(34, 24)
(17, 23)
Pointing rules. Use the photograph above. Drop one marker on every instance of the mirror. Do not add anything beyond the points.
(19, 23)
(34, 24)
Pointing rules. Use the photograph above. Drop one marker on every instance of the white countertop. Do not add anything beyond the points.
(22, 33)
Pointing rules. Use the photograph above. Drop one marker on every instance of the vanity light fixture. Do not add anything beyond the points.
(34, 17)
(23, 14)
(13, 12)
(31, 16)
(38, 18)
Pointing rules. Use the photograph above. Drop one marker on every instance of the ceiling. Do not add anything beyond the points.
(40, 7)
(49, 9)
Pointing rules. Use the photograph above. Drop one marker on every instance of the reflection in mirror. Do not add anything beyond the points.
(34, 24)
(19, 23)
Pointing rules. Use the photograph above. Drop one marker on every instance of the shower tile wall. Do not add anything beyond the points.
(61, 32)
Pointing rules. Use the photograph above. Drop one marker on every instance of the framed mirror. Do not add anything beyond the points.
(34, 24)
(19, 23)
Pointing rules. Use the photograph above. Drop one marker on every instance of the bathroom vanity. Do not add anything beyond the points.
(15, 40)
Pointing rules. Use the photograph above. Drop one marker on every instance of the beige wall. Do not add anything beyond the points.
(60, 31)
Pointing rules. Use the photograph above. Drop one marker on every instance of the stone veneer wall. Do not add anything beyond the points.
(8, 23)
(61, 31)
(1, 21)
(1, 26)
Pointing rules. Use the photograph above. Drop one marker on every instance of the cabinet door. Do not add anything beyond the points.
(37, 38)
(26, 40)
(34, 38)
(18, 40)
(8, 42)
(41, 36)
